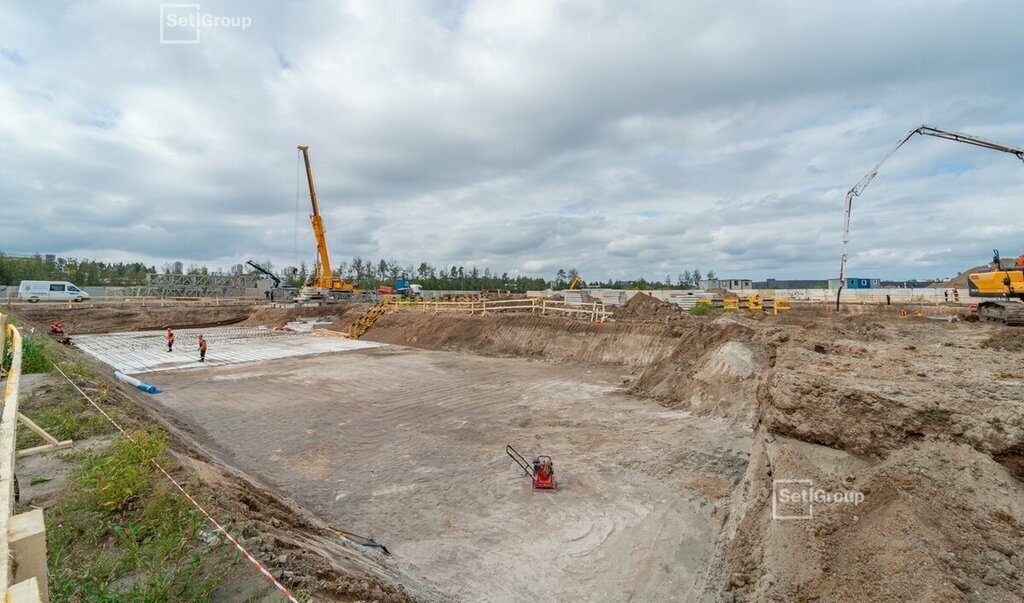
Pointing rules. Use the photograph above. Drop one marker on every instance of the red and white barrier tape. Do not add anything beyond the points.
(213, 521)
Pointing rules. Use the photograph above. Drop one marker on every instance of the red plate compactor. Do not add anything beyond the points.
(542, 471)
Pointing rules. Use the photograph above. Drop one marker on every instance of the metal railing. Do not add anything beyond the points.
(22, 536)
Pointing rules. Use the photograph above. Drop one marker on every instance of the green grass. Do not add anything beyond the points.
(123, 532)
(64, 413)
(36, 354)
(120, 531)
(704, 310)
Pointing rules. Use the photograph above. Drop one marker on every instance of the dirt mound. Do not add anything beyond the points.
(1007, 339)
(713, 369)
(960, 281)
(935, 450)
(921, 532)
(644, 307)
(109, 319)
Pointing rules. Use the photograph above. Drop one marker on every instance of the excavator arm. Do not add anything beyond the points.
(258, 268)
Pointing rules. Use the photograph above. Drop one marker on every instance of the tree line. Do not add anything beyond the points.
(366, 273)
(369, 274)
(686, 280)
(84, 273)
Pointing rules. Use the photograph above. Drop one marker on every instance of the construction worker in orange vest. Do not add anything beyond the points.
(202, 348)
(56, 329)
(903, 312)
(170, 339)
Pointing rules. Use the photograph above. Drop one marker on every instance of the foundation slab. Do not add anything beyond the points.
(146, 351)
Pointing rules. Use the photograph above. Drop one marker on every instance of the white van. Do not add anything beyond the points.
(33, 291)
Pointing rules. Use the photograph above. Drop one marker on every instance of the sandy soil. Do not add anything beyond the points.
(669, 433)
(925, 418)
(408, 446)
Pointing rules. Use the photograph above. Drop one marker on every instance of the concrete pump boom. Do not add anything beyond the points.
(924, 130)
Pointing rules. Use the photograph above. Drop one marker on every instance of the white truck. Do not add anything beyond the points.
(34, 291)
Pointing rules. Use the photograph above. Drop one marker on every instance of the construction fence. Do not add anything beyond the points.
(594, 311)
(687, 298)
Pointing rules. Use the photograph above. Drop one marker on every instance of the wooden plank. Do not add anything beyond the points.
(27, 537)
(39, 431)
(44, 448)
(25, 592)
(8, 424)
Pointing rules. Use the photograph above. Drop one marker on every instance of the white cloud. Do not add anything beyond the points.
(622, 139)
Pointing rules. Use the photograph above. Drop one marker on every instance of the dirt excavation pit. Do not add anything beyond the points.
(670, 435)
(408, 445)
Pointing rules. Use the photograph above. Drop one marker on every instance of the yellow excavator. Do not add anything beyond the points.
(1004, 282)
(322, 284)
(577, 282)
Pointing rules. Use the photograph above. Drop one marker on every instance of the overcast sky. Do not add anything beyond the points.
(624, 139)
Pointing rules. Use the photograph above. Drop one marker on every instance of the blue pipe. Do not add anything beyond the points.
(149, 389)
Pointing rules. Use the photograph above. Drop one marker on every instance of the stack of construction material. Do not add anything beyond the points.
(689, 300)
(577, 297)
(610, 297)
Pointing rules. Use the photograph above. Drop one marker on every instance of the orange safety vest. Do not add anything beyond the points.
(170, 335)
(202, 344)
(903, 312)
(56, 328)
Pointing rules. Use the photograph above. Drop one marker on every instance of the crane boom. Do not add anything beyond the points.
(258, 268)
(924, 130)
(322, 274)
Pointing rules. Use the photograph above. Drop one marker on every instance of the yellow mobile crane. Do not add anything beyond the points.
(323, 284)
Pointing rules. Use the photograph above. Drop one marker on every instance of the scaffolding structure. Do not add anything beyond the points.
(199, 285)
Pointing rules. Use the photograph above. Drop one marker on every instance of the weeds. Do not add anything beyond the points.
(61, 411)
(36, 355)
(704, 310)
(124, 533)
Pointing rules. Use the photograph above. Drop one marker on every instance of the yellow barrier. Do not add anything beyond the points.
(754, 303)
(22, 537)
(731, 304)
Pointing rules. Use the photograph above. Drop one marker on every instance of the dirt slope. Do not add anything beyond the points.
(79, 319)
(925, 419)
